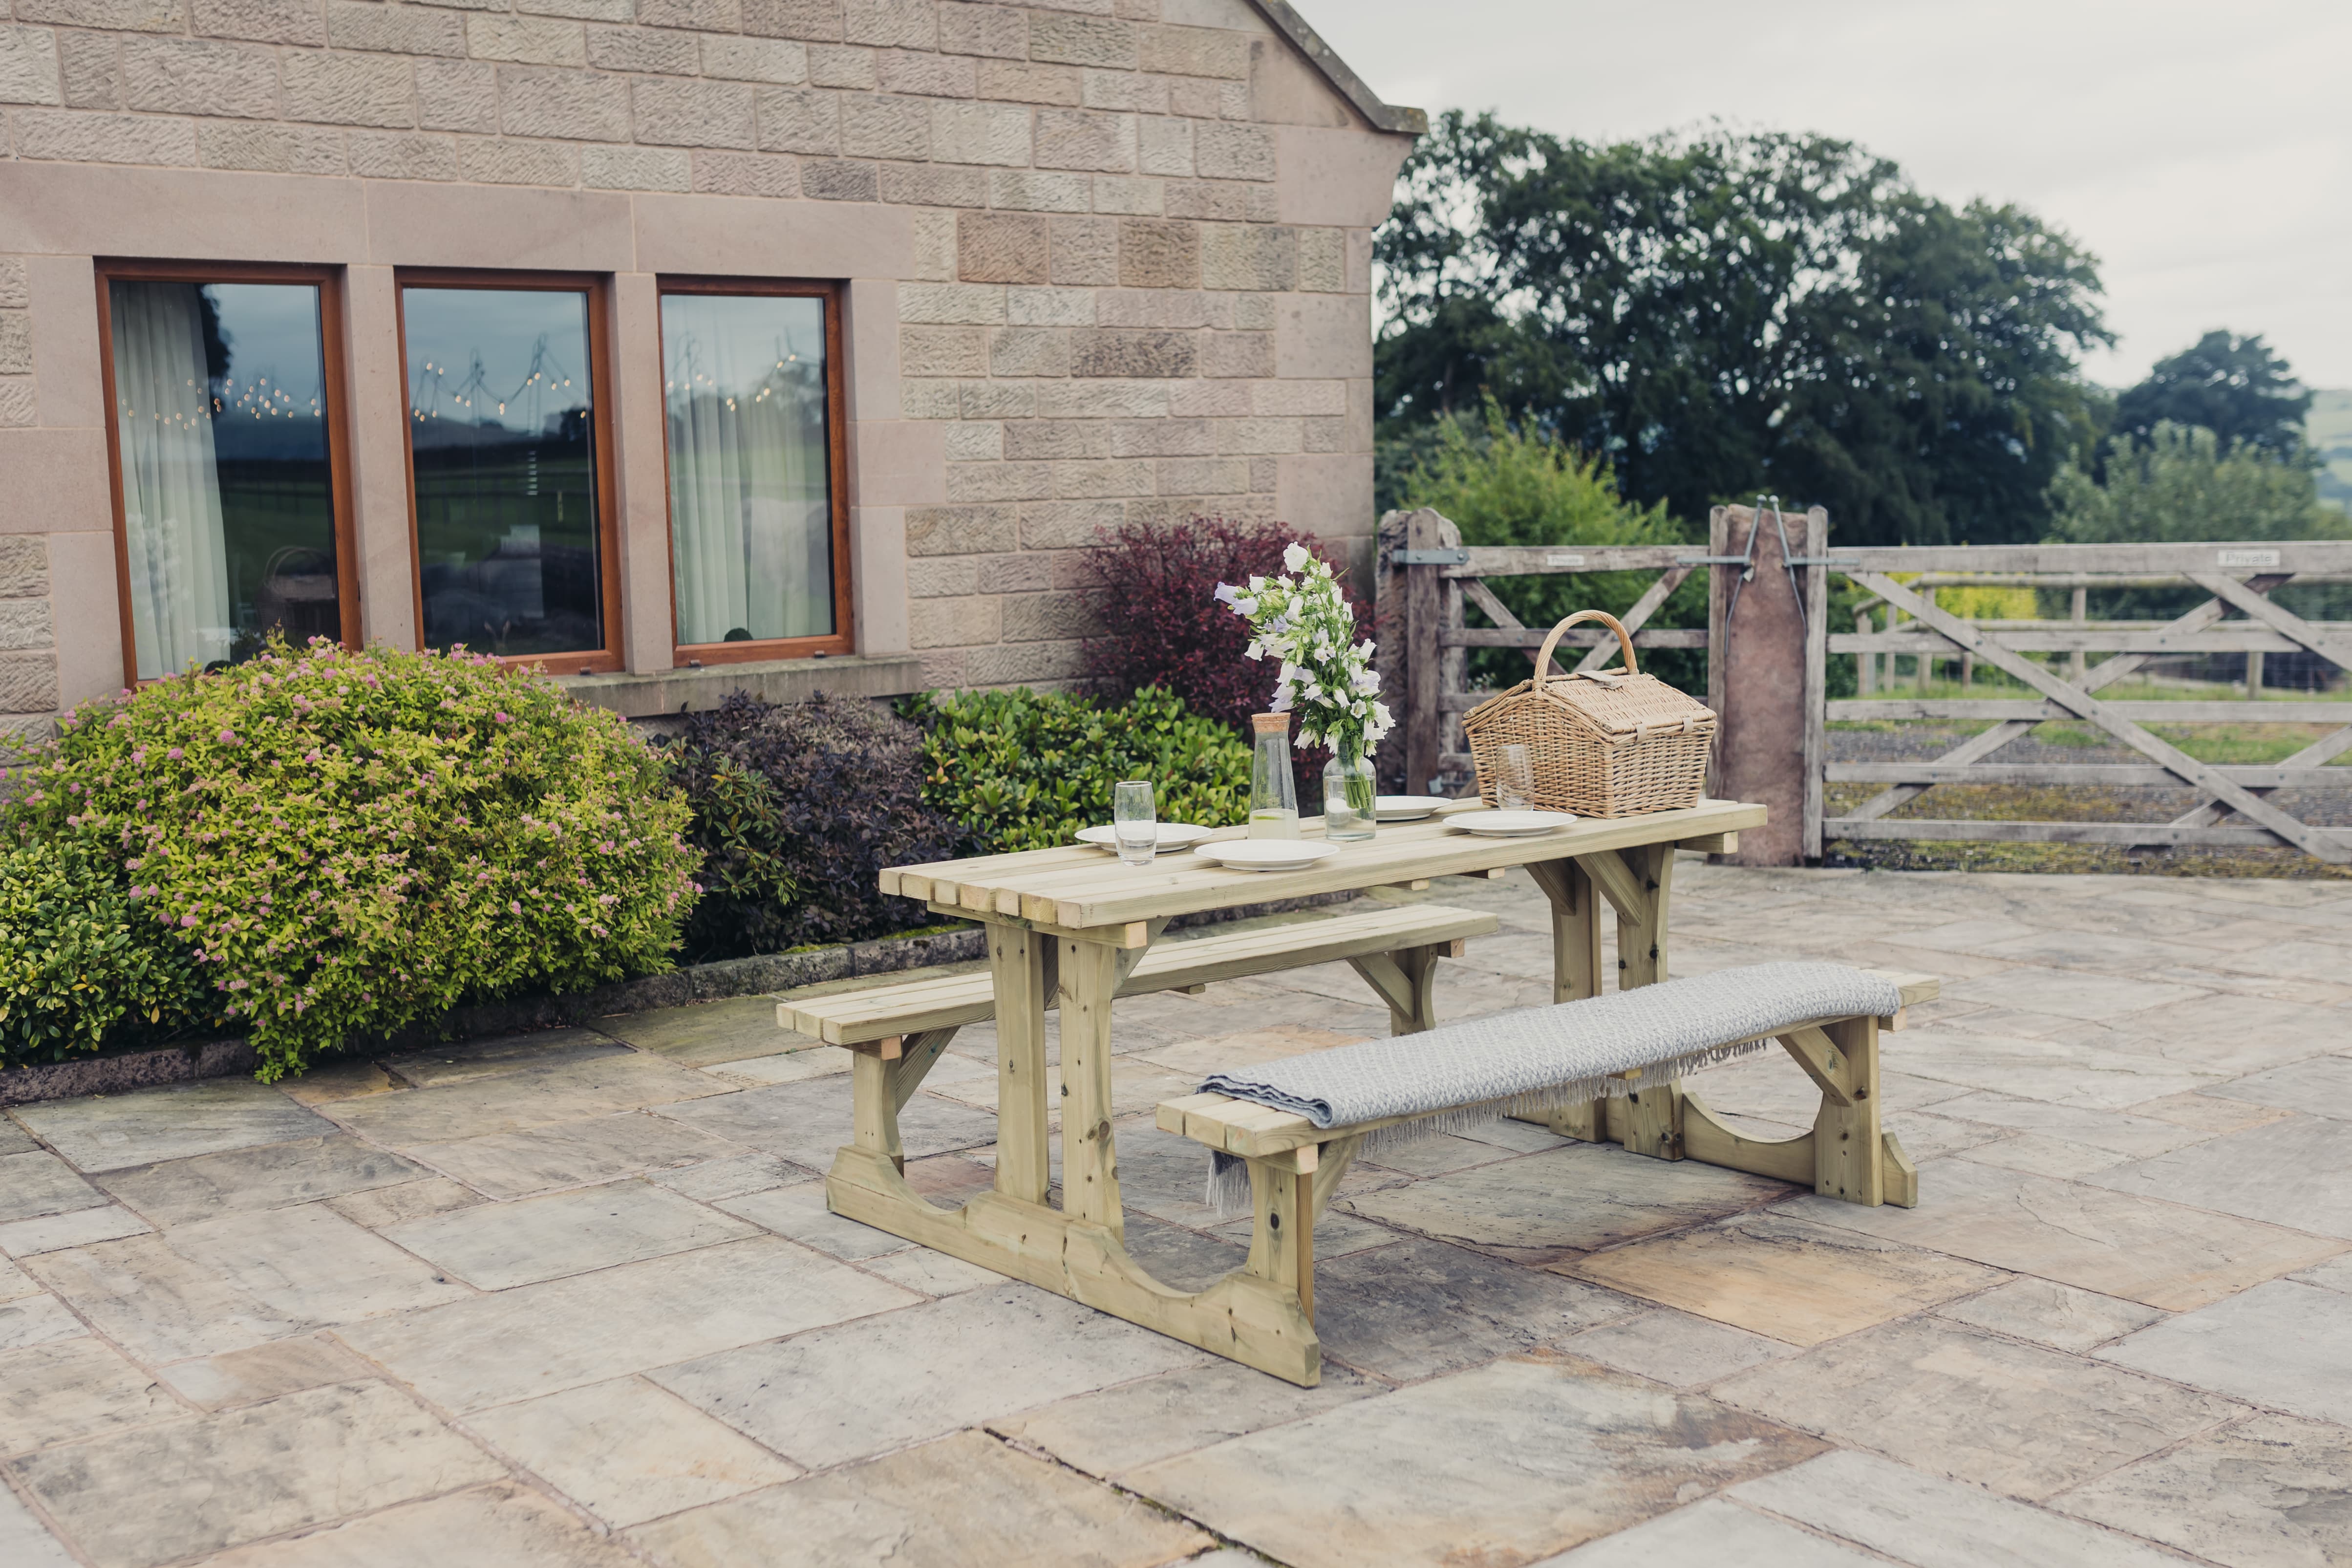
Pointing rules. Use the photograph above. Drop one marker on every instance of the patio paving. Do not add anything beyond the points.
(574, 1299)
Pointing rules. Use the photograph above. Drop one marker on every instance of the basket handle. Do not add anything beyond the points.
(1624, 643)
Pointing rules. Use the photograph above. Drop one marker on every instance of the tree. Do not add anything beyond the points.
(2185, 485)
(1506, 484)
(2236, 387)
(1724, 313)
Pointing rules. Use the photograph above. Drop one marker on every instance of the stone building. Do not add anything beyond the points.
(681, 344)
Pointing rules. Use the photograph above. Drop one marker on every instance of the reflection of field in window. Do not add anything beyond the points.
(751, 508)
(228, 510)
(503, 446)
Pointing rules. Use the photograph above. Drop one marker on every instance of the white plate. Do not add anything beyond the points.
(1508, 823)
(1173, 836)
(1268, 853)
(1408, 808)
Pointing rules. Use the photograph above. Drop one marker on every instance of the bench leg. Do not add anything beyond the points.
(1281, 1244)
(1849, 1153)
(1407, 981)
(874, 1095)
(1018, 959)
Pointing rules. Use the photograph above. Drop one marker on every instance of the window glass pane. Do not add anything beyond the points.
(750, 502)
(220, 406)
(503, 450)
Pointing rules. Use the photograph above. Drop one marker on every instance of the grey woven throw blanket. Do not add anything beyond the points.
(1540, 1058)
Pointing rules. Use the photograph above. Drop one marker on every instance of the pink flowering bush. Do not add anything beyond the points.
(347, 843)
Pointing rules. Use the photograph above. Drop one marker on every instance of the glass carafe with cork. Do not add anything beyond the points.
(1274, 789)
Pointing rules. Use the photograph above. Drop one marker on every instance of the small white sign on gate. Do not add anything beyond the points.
(2249, 557)
(1563, 560)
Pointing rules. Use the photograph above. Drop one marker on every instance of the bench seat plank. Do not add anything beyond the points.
(939, 1002)
(1253, 1131)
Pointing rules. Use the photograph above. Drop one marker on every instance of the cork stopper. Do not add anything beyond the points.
(1270, 724)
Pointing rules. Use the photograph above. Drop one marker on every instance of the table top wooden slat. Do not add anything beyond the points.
(1082, 888)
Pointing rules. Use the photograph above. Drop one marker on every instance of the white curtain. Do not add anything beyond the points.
(171, 482)
(750, 515)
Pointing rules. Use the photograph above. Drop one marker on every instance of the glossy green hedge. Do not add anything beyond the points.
(347, 843)
(79, 963)
(1025, 770)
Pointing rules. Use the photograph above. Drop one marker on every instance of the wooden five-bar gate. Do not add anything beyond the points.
(1769, 644)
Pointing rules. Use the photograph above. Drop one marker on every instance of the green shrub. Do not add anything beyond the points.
(796, 810)
(1025, 770)
(79, 964)
(348, 843)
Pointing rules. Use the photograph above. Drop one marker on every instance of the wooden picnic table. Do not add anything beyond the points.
(1067, 926)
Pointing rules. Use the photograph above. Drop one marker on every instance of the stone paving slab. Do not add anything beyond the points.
(543, 1338)
(2287, 1344)
(501, 1526)
(76, 1227)
(855, 1390)
(574, 1154)
(629, 1451)
(1676, 1348)
(466, 1061)
(265, 1372)
(2117, 1303)
(1422, 1308)
(523, 1099)
(963, 1501)
(1548, 1206)
(157, 1302)
(2160, 1253)
(1412, 1477)
(1785, 1279)
(135, 1499)
(1951, 1400)
(2294, 1172)
(2052, 1314)
(114, 1132)
(1931, 1522)
(1714, 1530)
(2270, 1492)
(36, 1183)
(1115, 1430)
(494, 1246)
(274, 1176)
(805, 1122)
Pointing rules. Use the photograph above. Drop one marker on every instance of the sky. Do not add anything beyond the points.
(2203, 153)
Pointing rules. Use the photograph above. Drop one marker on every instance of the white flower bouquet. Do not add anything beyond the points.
(1326, 678)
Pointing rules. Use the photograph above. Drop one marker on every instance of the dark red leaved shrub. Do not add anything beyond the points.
(1154, 592)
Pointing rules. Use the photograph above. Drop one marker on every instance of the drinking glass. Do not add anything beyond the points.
(1515, 779)
(1138, 829)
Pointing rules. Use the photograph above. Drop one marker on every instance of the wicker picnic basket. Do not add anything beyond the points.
(1600, 742)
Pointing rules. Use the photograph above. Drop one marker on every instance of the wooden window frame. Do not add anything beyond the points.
(604, 661)
(333, 388)
(842, 638)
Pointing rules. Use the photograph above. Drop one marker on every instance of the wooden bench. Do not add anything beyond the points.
(1395, 948)
(1295, 1165)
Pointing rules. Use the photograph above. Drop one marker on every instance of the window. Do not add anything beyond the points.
(759, 531)
(508, 468)
(228, 465)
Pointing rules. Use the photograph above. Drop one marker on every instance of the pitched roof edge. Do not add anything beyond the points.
(1385, 116)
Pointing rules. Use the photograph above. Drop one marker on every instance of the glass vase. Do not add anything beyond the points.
(1350, 799)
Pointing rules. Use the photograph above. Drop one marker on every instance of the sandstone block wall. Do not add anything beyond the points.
(1108, 259)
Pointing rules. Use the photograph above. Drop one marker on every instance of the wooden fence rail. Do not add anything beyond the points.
(1773, 698)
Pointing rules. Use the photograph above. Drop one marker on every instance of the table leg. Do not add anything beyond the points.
(1575, 972)
(1090, 976)
(1018, 961)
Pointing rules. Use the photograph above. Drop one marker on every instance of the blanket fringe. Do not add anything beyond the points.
(1229, 1182)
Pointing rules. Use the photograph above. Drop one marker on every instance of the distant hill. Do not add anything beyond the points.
(2329, 431)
